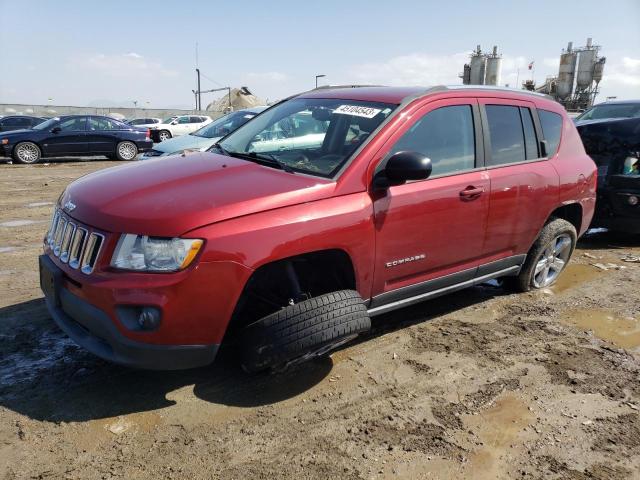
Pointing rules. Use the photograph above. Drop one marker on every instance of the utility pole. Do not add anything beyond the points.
(317, 77)
(199, 99)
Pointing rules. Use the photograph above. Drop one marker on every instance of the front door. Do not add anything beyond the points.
(67, 138)
(430, 233)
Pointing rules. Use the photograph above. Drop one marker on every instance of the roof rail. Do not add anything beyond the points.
(330, 87)
(498, 88)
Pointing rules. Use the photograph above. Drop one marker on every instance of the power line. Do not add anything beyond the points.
(211, 80)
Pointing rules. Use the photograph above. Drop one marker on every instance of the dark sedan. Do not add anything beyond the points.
(76, 135)
(19, 122)
(611, 136)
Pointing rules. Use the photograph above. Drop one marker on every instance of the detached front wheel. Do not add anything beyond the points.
(547, 258)
(306, 330)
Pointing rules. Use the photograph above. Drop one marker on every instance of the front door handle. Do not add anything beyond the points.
(471, 192)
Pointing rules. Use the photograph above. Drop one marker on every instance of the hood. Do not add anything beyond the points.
(183, 142)
(168, 197)
(15, 132)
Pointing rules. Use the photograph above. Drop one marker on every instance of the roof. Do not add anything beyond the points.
(398, 95)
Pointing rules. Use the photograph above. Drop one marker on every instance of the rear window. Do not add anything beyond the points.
(505, 132)
(551, 129)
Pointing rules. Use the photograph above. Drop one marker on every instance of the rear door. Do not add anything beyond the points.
(103, 135)
(430, 233)
(14, 123)
(524, 185)
(70, 139)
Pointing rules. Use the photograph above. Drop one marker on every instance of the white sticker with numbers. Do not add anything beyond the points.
(357, 111)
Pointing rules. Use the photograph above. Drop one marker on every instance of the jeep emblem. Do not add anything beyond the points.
(69, 206)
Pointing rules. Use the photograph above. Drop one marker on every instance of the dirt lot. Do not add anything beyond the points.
(480, 384)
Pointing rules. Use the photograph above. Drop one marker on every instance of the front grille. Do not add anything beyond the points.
(74, 243)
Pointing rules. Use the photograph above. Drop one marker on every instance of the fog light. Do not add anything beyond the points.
(149, 318)
(632, 200)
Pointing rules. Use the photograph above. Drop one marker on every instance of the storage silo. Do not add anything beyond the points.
(598, 69)
(566, 74)
(493, 68)
(466, 74)
(477, 67)
(586, 65)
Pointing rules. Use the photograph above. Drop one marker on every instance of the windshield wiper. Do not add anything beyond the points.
(263, 158)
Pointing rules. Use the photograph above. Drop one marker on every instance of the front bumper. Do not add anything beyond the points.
(93, 329)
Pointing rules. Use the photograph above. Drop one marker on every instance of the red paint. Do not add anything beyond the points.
(250, 215)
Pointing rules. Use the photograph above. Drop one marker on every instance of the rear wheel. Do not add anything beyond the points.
(27, 152)
(301, 332)
(126, 150)
(164, 135)
(547, 258)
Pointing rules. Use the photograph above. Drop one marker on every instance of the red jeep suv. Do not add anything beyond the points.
(326, 209)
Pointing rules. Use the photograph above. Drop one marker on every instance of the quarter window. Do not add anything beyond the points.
(551, 129)
(444, 135)
(530, 140)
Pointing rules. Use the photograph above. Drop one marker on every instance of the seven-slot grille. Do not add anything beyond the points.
(74, 243)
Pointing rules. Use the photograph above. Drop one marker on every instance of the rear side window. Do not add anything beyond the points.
(530, 140)
(506, 134)
(551, 129)
(446, 136)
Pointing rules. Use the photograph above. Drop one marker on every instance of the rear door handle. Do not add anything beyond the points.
(471, 192)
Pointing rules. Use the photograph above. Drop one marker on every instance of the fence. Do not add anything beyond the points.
(55, 110)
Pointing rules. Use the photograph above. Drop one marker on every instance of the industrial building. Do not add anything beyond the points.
(483, 68)
(579, 74)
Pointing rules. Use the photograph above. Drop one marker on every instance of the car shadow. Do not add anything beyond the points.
(602, 239)
(45, 376)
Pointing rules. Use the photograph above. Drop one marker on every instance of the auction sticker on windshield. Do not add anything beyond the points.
(357, 110)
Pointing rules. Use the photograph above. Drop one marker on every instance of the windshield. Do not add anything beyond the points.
(48, 124)
(224, 125)
(309, 135)
(620, 110)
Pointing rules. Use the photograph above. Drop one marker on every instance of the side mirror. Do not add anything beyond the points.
(56, 130)
(175, 122)
(402, 167)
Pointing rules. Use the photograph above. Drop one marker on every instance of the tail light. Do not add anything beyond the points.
(148, 133)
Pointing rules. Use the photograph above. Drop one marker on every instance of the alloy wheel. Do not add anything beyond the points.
(27, 153)
(127, 151)
(552, 261)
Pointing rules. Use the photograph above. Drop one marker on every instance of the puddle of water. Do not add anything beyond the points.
(7, 249)
(574, 275)
(498, 428)
(20, 223)
(622, 332)
(38, 204)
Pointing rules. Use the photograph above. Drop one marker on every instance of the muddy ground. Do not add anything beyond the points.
(480, 384)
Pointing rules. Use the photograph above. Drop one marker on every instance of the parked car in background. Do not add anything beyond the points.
(75, 135)
(203, 138)
(144, 122)
(611, 136)
(286, 252)
(19, 122)
(176, 126)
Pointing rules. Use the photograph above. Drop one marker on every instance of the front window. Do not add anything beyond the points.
(310, 135)
(168, 120)
(620, 110)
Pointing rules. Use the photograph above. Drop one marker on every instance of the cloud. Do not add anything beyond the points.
(124, 65)
(622, 74)
(552, 62)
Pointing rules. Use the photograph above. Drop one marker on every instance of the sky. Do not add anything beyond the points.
(112, 53)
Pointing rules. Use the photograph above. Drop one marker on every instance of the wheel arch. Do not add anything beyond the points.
(571, 212)
(317, 271)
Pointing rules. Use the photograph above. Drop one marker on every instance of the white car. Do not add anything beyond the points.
(174, 127)
(145, 122)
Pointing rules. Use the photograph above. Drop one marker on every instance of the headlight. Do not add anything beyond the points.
(154, 254)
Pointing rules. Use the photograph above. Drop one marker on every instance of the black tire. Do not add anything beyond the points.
(552, 231)
(164, 133)
(126, 151)
(27, 153)
(303, 331)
